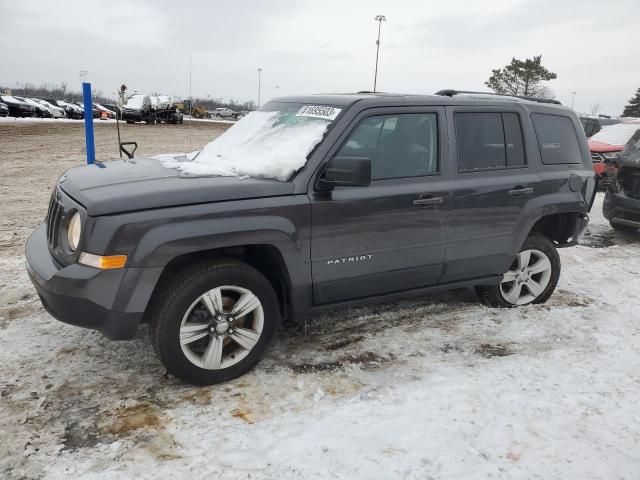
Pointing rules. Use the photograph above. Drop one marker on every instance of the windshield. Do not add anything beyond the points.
(271, 143)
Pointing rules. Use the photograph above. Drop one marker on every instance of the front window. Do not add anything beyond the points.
(402, 145)
(271, 143)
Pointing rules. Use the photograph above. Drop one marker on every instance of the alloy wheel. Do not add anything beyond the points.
(221, 327)
(527, 278)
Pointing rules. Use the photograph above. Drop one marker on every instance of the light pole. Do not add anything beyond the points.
(379, 19)
(259, 80)
(190, 98)
(573, 97)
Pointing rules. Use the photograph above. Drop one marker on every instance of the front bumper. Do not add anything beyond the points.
(132, 115)
(81, 295)
(620, 209)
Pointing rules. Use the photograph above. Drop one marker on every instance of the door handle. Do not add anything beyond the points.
(521, 191)
(428, 200)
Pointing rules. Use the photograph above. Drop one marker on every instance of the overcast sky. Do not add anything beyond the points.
(309, 46)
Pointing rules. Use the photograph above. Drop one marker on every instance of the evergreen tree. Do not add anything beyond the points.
(522, 77)
(633, 108)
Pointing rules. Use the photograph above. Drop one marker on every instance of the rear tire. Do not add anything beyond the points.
(214, 322)
(623, 228)
(532, 277)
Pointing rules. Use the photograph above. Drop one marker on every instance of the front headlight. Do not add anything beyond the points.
(73, 231)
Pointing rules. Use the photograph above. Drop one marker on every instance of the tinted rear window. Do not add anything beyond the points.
(489, 141)
(557, 139)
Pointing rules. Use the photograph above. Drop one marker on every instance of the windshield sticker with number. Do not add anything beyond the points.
(319, 111)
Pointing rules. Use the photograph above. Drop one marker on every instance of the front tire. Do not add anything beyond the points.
(214, 322)
(532, 278)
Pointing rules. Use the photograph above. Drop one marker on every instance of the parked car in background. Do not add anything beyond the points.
(114, 108)
(4, 110)
(41, 110)
(137, 108)
(225, 113)
(593, 125)
(55, 110)
(95, 112)
(607, 144)
(18, 108)
(622, 201)
(72, 111)
(109, 113)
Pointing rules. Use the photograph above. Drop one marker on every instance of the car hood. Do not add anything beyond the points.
(139, 184)
(601, 147)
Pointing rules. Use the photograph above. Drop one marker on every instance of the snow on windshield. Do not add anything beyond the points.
(618, 134)
(262, 144)
(135, 102)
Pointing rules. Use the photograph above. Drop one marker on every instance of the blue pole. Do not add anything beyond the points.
(88, 123)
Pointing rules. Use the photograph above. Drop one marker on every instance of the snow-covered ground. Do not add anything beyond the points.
(441, 387)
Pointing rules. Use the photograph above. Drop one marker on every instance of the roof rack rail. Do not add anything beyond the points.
(451, 93)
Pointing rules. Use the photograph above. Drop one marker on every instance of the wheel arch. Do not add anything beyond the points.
(563, 228)
(265, 258)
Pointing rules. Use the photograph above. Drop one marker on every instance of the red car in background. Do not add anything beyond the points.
(607, 143)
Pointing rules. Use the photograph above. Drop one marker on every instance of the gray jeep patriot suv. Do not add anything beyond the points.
(400, 195)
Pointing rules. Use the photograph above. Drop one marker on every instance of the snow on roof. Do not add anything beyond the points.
(11, 99)
(618, 134)
(257, 146)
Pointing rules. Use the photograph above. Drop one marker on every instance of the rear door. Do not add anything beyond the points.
(389, 236)
(493, 182)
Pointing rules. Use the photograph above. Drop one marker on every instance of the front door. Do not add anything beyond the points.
(389, 236)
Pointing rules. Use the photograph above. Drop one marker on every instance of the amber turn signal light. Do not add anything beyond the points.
(103, 262)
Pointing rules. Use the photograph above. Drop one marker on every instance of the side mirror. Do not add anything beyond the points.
(346, 172)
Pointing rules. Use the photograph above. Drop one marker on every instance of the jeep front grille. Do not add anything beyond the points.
(596, 157)
(54, 218)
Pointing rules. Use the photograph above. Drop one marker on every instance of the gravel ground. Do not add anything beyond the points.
(439, 387)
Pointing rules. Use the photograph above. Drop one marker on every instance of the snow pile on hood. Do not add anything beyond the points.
(137, 102)
(618, 134)
(258, 146)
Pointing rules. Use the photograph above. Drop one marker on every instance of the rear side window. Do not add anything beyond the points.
(557, 139)
(489, 141)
